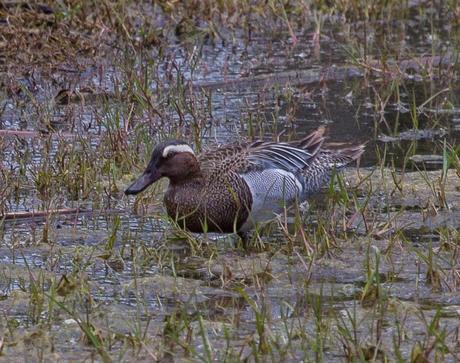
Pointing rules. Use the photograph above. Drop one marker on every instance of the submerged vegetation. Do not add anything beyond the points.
(370, 272)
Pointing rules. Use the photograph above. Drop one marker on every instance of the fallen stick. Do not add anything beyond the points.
(39, 214)
(63, 211)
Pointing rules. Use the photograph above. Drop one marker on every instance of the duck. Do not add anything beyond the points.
(234, 187)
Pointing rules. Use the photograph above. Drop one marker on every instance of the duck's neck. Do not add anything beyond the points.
(194, 179)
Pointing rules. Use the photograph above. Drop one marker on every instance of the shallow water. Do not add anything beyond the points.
(381, 273)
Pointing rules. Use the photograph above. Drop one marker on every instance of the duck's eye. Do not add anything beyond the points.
(170, 155)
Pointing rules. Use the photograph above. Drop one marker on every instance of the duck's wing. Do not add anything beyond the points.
(292, 156)
(261, 155)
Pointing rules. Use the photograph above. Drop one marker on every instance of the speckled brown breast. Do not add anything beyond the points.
(218, 205)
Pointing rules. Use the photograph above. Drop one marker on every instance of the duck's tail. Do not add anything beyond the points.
(326, 162)
(312, 142)
(342, 157)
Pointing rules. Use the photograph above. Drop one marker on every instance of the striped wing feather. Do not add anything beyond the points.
(241, 158)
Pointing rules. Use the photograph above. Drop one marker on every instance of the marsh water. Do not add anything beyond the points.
(370, 272)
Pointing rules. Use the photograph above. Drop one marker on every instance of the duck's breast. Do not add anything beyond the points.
(220, 205)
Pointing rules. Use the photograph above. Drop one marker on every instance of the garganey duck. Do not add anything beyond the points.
(230, 188)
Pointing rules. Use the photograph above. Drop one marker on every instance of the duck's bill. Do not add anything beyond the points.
(143, 182)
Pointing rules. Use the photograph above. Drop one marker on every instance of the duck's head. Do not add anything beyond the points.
(171, 159)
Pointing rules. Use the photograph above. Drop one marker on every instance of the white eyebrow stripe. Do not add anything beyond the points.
(177, 149)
